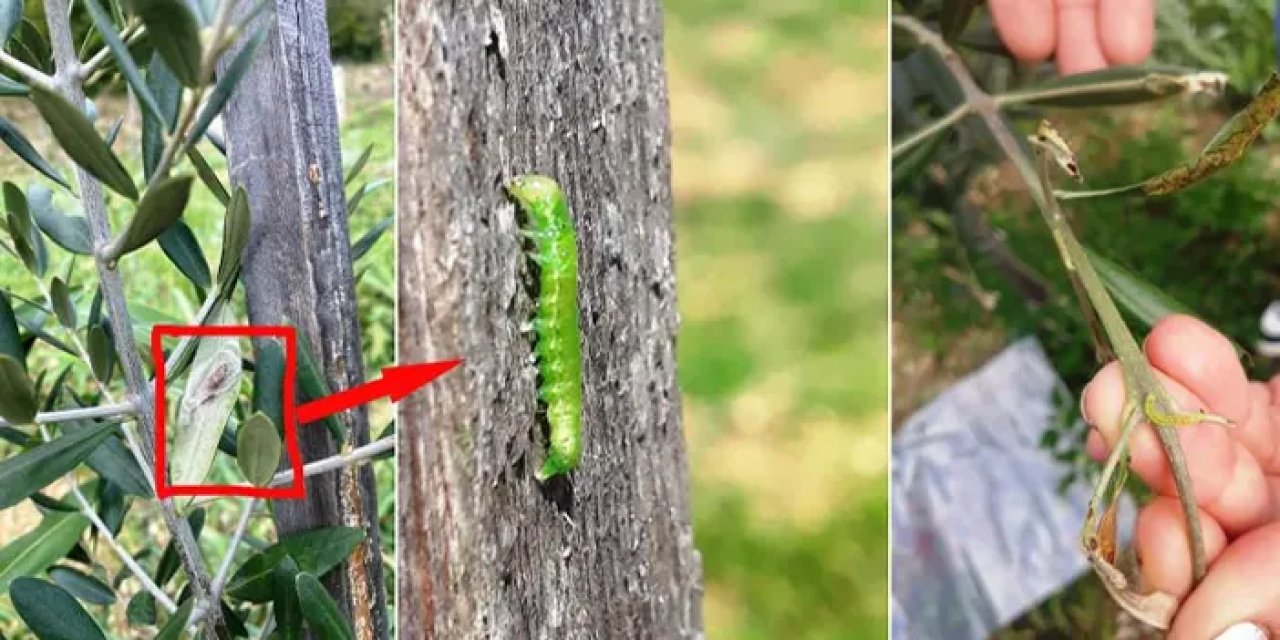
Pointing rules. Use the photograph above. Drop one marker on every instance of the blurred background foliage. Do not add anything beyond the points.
(974, 266)
(778, 116)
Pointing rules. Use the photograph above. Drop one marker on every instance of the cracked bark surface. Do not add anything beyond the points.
(574, 90)
(283, 148)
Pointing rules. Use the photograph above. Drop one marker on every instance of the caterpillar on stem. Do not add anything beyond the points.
(555, 322)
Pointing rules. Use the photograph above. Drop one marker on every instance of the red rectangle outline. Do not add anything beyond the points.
(297, 489)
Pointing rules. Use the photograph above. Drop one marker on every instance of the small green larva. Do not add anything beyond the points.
(556, 319)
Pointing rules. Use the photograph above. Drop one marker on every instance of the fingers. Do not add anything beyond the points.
(1209, 450)
(1198, 367)
(1126, 30)
(1027, 27)
(1161, 540)
(1087, 34)
(1240, 586)
(1079, 49)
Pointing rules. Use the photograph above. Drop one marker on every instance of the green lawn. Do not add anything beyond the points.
(780, 161)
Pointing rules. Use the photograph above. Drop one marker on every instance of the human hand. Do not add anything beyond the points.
(1086, 34)
(1235, 472)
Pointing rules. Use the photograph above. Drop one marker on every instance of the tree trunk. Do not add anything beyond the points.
(576, 91)
(282, 147)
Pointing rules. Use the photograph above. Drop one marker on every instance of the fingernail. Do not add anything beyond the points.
(1243, 631)
(1084, 416)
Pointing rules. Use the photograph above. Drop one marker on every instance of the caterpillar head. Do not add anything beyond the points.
(538, 196)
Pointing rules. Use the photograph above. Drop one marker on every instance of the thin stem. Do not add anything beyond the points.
(357, 456)
(32, 75)
(924, 133)
(220, 580)
(130, 34)
(116, 410)
(57, 16)
(125, 557)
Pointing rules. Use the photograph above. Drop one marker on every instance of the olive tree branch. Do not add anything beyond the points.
(125, 557)
(57, 14)
(1142, 387)
(27, 72)
(116, 410)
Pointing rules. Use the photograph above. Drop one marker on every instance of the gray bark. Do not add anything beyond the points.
(575, 90)
(282, 147)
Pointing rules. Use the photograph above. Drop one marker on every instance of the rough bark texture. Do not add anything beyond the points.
(282, 146)
(575, 90)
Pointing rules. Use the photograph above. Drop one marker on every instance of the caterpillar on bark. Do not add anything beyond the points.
(555, 324)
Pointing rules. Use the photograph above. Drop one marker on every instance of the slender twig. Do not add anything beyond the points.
(116, 410)
(220, 579)
(357, 456)
(1139, 378)
(130, 34)
(125, 557)
(28, 73)
(1023, 96)
(57, 15)
(929, 130)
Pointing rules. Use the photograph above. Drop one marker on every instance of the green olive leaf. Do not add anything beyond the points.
(34, 469)
(77, 137)
(63, 308)
(51, 612)
(18, 143)
(83, 586)
(176, 36)
(183, 250)
(17, 399)
(320, 610)
(69, 232)
(102, 355)
(258, 449)
(235, 236)
(35, 551)
(162, 205)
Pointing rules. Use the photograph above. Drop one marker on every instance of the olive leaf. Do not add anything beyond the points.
(83, 586)
(102, 355)
(316, 551)
(18, 143)
(17, 401)
(362, 246)
(10, 339)
(34, 469)
(51, 612)
(183, 250)
(81, 142)
(235, 235)
(268, 380)
(320, 610)
(176, 36)
(63, 308)
(124, 60)
(162, 205)
(206, 405)
(227, 81)
(168, 94)
(358, 165)
(69, 232)
(286, 608)
(35, 551)
(172, 630)
(258, 448)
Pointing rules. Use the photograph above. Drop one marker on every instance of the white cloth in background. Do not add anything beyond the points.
(980, 533)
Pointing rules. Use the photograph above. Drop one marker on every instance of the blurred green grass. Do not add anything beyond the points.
(780, 166)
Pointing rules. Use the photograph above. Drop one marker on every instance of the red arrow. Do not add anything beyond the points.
(396, 382)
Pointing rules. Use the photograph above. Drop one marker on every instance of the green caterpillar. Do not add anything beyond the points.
(556, 320)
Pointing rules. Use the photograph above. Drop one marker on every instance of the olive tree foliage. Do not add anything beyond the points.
(78, 412)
